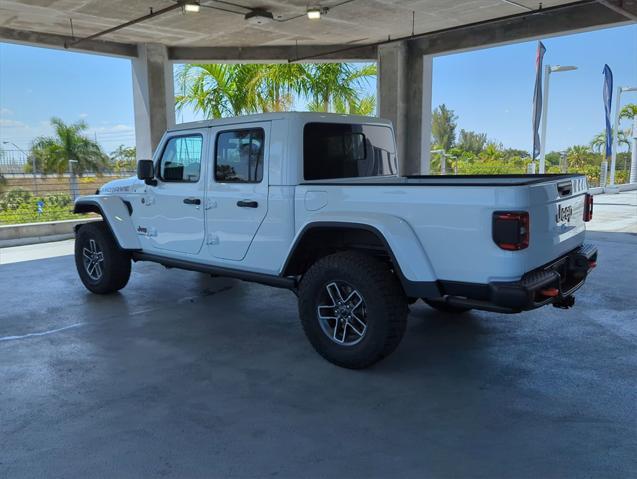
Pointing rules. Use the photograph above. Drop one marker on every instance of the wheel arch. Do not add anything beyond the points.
(116, 213)
(319, 238)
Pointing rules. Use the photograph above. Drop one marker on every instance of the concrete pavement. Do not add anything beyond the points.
(182, 375)
(616, 212)
(15, 254)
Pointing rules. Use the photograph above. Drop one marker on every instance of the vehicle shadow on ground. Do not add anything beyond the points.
(433, 337)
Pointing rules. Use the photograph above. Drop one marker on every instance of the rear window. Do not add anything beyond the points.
(338, 150)
(239, 156)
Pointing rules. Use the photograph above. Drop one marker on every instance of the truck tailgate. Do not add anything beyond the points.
(557, 215)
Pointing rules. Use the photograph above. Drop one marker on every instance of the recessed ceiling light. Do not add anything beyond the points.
(315, 13)
(192, 8)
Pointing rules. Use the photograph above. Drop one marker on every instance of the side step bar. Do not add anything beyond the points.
(267, 279)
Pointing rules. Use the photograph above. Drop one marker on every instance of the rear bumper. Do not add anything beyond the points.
(553, 283)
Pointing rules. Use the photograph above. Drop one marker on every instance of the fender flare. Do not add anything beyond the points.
(411, 264)
(116, 215)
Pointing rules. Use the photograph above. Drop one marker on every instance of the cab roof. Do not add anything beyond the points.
(301, 117)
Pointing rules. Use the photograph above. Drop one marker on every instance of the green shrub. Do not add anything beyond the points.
(20, 206)
(58, 199)
(14, 198)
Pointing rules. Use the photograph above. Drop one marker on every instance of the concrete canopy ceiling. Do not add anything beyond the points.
(357, 21)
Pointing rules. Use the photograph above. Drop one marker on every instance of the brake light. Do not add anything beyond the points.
(511, 230)
(588, 207)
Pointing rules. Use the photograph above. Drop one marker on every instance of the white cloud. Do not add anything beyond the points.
(119, 129)
(21, 133)
(5, 112)
(6, 123)
(83, 115)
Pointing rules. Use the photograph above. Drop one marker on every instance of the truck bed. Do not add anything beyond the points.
(450, 180)
(454, 226)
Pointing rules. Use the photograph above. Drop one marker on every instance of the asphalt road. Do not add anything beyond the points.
(182, 375)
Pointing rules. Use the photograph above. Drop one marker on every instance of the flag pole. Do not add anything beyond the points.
(613, 156)
(610, 138)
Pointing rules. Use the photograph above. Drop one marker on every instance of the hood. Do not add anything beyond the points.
(124, 185)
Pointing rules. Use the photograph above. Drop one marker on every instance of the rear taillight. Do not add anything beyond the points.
(588, 207)
(511, 230)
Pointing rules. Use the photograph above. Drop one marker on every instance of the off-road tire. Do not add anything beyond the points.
(115, 266)
(384, 302)
(445, 308)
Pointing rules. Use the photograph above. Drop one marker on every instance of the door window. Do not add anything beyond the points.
(181, 160)
(239, 156)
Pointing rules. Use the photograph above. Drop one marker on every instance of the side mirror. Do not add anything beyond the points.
(146, 172)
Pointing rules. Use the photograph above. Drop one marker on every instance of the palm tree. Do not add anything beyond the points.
(629, 111)
(219, 90)
(579, 156)
(276, 85)
(52, 154)
(229, 90)
(211, 89)
(336, 87)
(492, 153)
(598, 144)
(123, 158)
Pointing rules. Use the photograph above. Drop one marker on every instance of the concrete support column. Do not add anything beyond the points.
(153, 97)
(404, 97)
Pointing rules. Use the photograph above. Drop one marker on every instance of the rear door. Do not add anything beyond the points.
(171, 214)
(237, 198)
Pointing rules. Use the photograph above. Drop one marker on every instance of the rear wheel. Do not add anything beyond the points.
(445, 308)
(353, 309)
(102, 266)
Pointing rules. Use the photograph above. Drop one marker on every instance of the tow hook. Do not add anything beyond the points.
(564, 302)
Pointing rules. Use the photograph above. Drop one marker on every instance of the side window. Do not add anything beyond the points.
(239, 156)
(181, 160)
(343, 150)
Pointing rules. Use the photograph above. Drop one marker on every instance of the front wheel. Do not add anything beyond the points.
(102, 266)
(352, 309)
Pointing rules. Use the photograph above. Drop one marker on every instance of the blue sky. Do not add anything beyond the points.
(490, 89)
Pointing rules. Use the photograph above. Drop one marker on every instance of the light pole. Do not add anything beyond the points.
(548, 69)
(35, 182)
(73, 181)
(613, 158)
(563, 162)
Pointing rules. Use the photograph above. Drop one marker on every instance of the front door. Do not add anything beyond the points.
(237, 199)
(171, 214)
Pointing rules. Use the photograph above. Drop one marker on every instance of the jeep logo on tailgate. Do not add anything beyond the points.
(564, 213)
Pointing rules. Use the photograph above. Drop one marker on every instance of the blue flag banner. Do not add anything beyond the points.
(537, 98)
(608, 98)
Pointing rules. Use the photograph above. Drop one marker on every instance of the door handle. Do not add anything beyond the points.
(192, 201)
(247, 204)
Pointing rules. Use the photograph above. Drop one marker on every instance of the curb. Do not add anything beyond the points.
(32, 233)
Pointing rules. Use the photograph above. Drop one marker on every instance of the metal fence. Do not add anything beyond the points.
(27, 197)
(13, 161)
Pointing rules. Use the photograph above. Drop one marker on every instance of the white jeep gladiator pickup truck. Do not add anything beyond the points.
(315, 203)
